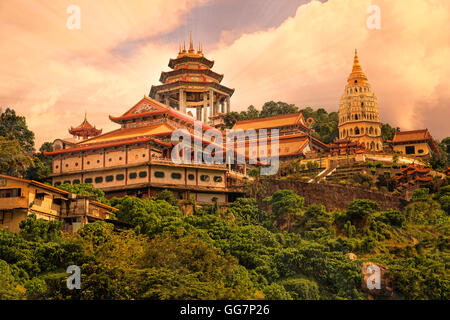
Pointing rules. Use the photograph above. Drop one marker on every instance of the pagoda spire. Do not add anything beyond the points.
(357, 72)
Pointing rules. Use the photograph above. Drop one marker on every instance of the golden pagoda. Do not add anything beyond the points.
(359, 119)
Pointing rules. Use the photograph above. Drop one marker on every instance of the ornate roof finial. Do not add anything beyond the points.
(184, 46)
(191, 45)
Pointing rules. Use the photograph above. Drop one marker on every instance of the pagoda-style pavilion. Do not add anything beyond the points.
(191, 84)
(85, 130)
(343, 147)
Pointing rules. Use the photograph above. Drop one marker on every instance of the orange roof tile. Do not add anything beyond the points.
(130, 133)
(405, 136)
(271, 122)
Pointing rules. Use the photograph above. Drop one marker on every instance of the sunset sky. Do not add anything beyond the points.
(297, 51)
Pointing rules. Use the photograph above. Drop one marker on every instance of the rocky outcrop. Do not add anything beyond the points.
(376, 281)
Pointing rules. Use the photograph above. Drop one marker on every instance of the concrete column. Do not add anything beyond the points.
(211, 103)
(205, 107)
(166, 99)
(198, 113)
(182, 101)
(228, 105)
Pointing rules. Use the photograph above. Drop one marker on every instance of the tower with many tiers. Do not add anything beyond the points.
(192, 87)
(359, 119)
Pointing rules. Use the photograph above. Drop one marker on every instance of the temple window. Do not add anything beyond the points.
(356, 81)
(98, 161)
(376, 131)
(217, 179)
(191, 176)
(142, 174)
(204, 177)
(356, 130)
(76, 181)
(132, 175)
(109, 178)
(159, 174)
(120, 177)
(175, 175)
(56, 167)
(88, 180)
(98, 179)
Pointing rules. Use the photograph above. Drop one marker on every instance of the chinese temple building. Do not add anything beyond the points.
(84, 130)
(416, 143)
(294, 138)
(414, 176)
(359, 119)
(192, 85)
(136, 158)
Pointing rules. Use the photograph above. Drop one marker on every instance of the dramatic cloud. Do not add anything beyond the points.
(52, 74)
(307, 59)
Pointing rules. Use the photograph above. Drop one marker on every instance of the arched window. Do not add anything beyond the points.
(372, 146)
(376, 131)
(356, 131)
(362, 104)
(371, 130)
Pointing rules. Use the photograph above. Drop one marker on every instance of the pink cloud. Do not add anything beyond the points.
(53, 75)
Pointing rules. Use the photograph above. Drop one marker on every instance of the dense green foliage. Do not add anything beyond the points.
(240, 252)
(17, 149)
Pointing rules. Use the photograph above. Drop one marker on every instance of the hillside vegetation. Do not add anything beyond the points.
(298, 252)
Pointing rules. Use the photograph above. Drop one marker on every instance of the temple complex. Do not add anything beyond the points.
(358, 111)
(137, 158)
(191, 86)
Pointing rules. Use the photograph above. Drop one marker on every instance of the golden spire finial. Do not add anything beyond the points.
(357, 71)
(184, 46)
(85, 116)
